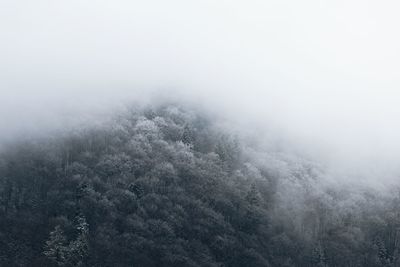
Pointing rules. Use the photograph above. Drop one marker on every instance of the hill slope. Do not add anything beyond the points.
(165, 186)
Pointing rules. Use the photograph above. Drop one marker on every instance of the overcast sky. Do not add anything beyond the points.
(324, 72)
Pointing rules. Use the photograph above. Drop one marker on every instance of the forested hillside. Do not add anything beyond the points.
(166, 186)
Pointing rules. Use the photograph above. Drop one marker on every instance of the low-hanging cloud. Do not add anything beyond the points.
(324, 73)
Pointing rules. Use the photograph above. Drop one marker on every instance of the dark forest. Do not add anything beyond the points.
(166, 186)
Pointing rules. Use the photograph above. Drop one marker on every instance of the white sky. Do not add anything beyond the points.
(325, 72)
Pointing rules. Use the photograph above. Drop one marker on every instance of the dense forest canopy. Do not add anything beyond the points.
(167, 186)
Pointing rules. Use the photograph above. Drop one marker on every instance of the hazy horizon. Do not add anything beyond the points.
(323, 75)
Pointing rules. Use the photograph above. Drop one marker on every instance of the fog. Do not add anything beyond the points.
(322, 74)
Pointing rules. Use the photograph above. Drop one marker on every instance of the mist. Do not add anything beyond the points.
(323, 76)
